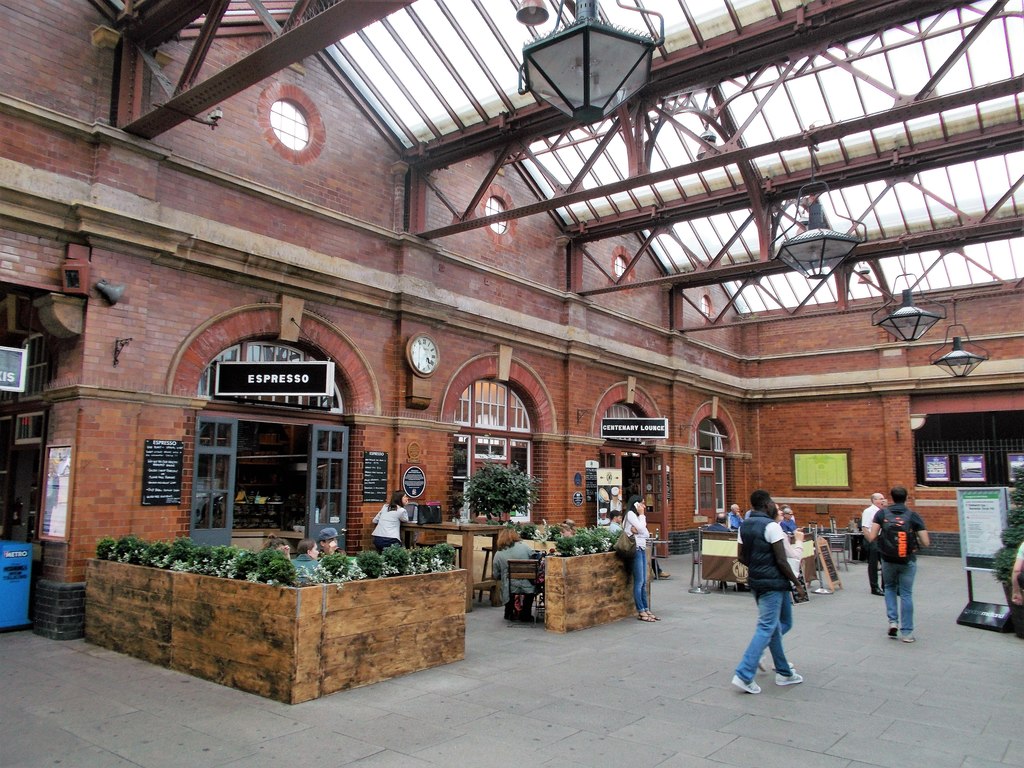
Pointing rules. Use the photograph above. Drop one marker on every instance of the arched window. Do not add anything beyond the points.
(619, 265)
(711, 444)
(494, 428)
(270, 352)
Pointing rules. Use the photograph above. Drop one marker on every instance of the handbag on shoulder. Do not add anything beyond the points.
(625, 546)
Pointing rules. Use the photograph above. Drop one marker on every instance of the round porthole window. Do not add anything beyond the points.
(289, 125)
(496, 205)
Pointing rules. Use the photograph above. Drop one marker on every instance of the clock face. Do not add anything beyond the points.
(423, 354)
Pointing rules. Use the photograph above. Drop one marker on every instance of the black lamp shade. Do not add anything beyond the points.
(588, 69)
(958, 361)
(818, 251)
(907, 322)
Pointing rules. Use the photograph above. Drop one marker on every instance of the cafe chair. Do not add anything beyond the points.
(528, 570)
(837, 544)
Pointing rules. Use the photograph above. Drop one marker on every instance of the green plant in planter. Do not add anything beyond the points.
(1013, 534)
(106, 547)
(130, 549)
(397, 561)
(371, 563)
(499, 491)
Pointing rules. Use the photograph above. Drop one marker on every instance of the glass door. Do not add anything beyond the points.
(328, 478)
(214, 477)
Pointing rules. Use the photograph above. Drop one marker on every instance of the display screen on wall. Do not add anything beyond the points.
(812, 469)
(53, 522)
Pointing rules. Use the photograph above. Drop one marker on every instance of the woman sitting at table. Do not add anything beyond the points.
(511, 547)
(389, 522)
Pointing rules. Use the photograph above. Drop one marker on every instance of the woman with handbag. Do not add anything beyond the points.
(635, 526)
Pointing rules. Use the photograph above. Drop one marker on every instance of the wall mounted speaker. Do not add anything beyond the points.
(110, 292)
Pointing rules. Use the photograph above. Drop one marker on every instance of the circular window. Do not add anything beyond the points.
(290, 125)
(496, 205)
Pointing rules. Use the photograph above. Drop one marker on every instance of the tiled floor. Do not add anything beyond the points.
(630, 694)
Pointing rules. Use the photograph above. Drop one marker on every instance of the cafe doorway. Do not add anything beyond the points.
(255, 479)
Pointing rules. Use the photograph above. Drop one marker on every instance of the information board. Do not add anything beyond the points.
(375, 476)
(161, 472)
(982, 513)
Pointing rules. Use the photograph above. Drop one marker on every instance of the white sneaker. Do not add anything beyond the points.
(793, 679)
(750, 687)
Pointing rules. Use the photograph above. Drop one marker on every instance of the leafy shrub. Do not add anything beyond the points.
(1013, 534)
(273, 567)
(442, 557)
(130, 549)
(182, 553)
(157, 554)
(336, 568)
(106, 547)
(397, 561)
(586, 541)
(371, 563)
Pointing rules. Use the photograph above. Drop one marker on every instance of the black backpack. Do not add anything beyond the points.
(897, 541)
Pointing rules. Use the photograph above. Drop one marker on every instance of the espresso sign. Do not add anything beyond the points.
(310, 379)
(635, 429)
(375, 476)
(161, 472)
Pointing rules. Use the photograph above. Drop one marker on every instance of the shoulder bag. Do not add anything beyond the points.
(625, 545)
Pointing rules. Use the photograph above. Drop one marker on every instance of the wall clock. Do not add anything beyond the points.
(422, 354)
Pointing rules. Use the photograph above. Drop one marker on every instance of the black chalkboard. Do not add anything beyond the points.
(828, 566)
(161, 472)
(375, 476)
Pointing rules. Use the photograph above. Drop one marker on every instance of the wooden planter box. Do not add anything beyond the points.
(284, 643)
(586, 591)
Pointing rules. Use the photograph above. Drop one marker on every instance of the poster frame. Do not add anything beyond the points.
(59, 459)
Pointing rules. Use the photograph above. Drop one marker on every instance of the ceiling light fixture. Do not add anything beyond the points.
(586, 69)
(817, 251)
(963, 355)
(908, 322)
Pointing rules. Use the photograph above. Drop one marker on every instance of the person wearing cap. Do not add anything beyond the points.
(327, 541)
(788, 520)
(389, 522)
(635, 525)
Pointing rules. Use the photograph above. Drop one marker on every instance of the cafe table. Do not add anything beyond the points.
(468, 531)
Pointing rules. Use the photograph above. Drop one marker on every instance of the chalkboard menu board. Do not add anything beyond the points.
(375, 476)
(161, 472)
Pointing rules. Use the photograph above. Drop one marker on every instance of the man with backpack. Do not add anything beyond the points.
(899, 532)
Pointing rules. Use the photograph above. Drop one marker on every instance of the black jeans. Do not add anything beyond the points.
(380, 543)
(873, 558)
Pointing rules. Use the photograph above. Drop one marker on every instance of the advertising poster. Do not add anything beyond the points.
(972, 468)
(936, 468)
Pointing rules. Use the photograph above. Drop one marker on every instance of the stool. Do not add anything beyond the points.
(485, 574)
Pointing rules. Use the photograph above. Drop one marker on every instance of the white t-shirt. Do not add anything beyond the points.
(772, 532)
(867, 517)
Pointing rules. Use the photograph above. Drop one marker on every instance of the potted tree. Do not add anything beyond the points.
(498, 491)
(1013, 535)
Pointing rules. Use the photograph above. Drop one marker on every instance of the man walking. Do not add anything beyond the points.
(899, 531)
(762, 549)
(868, 517)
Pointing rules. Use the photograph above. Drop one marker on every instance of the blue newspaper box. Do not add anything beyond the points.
(15, 579)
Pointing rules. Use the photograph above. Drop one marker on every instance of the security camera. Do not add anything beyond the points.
(215, 115)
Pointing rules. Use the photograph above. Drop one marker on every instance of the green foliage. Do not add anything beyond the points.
(130, 549)
(586, 541)
(105, 548)
(271, 566)
(1013, 534)
(499, 491)
(397, 561)
(371, 563)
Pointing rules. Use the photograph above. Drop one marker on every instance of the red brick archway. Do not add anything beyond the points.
(522, 380)
(722, 416)
(262, 322)
(618, 393)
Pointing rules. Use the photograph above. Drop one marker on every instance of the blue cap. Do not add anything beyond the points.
(327, 533)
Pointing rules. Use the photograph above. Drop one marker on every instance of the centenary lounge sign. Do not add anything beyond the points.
(634, 429)
(310, 379)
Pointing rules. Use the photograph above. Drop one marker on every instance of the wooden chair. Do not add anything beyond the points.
(527, 570)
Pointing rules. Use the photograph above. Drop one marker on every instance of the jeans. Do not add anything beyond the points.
(774, 619)
(640, 580)
(899, 580)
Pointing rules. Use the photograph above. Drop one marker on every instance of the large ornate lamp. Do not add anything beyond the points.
(907, 322)
(588, 68)
(817, 251)
(962, 356)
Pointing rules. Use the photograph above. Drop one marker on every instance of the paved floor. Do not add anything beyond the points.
(625, 695)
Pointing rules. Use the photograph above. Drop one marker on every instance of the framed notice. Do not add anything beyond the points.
(1014, 461)
(936, 468)
(972, 467)
(161, 472)
(53, 522)
(982, 515)
(812, 469)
